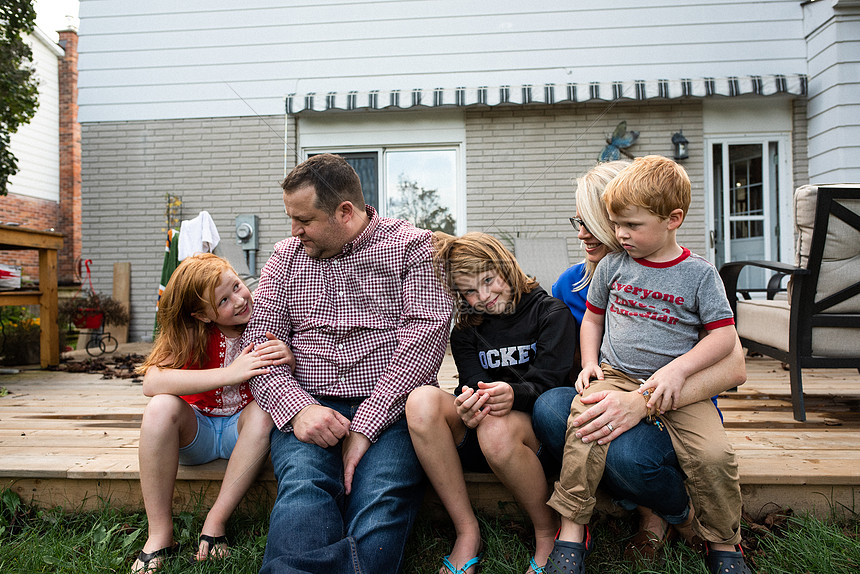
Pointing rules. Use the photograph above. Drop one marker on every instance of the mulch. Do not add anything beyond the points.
(116, 366)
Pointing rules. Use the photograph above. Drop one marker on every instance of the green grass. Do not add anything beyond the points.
(34, 540)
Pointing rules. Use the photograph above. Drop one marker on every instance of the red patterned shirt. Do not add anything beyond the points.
(370, 322)
(223, 401)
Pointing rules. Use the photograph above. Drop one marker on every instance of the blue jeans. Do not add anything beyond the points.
(316, 528)
(641, 467)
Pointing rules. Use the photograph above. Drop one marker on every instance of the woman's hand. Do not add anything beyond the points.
(471, 406)
(612, 414)
(276, 351)
(588, 372)
(247, 365)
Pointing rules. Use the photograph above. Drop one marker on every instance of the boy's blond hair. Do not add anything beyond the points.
(653, 182)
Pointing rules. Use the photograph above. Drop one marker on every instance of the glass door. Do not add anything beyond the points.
(746, 210)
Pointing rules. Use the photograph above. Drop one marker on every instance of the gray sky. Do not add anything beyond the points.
(51, 15)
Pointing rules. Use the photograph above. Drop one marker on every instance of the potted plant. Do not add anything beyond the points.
(19, 336)
(91, 310)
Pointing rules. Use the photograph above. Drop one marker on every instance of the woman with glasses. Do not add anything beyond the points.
(641, 471)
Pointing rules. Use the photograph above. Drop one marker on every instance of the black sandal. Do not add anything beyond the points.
(146, 557)
(569, 557)
(726, 562)
(213, 541)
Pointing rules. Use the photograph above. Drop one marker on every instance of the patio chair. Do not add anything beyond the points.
(818, 324)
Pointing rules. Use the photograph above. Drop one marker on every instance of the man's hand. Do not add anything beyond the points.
(471, 406)
(353, 448)
(320, 425)
(501, 397)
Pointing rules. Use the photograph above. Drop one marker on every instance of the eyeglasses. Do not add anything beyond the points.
(577, 223)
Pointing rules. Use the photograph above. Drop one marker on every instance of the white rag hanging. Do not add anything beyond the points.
(198, 235)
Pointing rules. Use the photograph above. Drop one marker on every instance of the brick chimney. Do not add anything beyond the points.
(70, 159)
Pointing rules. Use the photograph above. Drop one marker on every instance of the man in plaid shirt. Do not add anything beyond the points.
(355, 297)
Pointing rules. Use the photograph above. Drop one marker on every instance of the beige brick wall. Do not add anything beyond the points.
(520, 163)
(226, 166)
(799, 143)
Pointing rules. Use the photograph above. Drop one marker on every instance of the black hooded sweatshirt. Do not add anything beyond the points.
(532, 349)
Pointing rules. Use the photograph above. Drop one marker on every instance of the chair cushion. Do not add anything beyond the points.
(768, 323)
(843, 241)
(764, 321)
(840, 265)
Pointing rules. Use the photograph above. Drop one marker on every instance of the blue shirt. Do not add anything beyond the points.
(575, 300)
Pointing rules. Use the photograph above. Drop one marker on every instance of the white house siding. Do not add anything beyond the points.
(833, 34)
(37, 144)
(217, 58)
(226, 166)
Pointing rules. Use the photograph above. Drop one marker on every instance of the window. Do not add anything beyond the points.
(410, 163)
(421, 187)
(417, 184)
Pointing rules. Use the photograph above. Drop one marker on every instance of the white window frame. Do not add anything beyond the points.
(381, 132)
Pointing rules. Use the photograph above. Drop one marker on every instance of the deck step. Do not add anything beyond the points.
(70, 439)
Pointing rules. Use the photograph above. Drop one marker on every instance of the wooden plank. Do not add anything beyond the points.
(796, 470)
(78, 495)
(823, 440)
(49, 331)
(20, 297)
(74, 414)
(65, 440)
(121, 292)
(13, 237)
(89, 494)
(822, 501)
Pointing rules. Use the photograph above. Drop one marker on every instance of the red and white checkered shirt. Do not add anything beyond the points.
(372, 321)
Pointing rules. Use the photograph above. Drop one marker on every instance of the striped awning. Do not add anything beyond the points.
(547, 93)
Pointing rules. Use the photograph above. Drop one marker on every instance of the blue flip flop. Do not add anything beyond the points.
(535, 568)
(473, 562)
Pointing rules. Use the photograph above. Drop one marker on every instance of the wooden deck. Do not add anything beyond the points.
(71, 440)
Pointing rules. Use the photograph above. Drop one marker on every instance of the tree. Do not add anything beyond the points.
(19, 88)
(421, 207)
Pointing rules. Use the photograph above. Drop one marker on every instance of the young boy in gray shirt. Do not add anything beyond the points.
(645, 310)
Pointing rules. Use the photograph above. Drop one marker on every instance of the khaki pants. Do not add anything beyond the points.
(704, 454)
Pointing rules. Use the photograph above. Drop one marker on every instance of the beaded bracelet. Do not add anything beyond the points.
(651, 417)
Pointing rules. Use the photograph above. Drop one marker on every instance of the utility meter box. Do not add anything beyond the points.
(246, 232)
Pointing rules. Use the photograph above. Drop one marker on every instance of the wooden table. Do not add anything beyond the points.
(47, 243)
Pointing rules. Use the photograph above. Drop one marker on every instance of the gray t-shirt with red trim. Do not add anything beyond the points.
(654, 311)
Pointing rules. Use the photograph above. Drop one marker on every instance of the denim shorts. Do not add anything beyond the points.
(216, 437)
